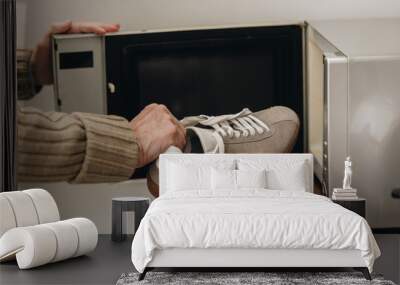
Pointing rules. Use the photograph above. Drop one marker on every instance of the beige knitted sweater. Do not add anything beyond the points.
(76, 147)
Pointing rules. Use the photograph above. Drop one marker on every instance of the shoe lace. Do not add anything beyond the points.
(242, 124)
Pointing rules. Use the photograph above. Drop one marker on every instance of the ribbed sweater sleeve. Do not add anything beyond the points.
(78, 147)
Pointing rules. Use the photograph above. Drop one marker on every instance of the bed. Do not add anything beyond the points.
(247, 211)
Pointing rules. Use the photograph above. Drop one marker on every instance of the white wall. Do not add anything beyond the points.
(35, 16)
(150, 14)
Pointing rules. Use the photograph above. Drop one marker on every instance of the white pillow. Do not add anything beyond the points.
(281, 174)
(181, 178)
(294, 178)
(251, 178)
(225, 179)
(188, 176)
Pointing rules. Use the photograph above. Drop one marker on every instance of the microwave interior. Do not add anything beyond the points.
(212, 72)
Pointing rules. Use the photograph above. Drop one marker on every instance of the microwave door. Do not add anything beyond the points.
(335, 119)
(326, 103)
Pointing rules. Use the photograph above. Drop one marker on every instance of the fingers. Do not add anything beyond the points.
(83, 27)
(173, 137)
(177, 134)
(156, 129)
(86, 29)
(180, 128)
(110, 28)
(164, 109)
(60, 28)
(144, 112)
(97, 28)
(180, 141)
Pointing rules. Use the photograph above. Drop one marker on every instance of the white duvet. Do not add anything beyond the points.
(250, 219)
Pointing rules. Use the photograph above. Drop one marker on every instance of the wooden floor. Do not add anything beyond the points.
(103, 266)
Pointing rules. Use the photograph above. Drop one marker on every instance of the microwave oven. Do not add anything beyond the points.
(341, 77)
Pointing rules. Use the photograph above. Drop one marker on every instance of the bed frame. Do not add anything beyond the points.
(246, 259)
(259, 259)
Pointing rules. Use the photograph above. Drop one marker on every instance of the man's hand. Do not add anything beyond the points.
(156, 129)
(42, 59)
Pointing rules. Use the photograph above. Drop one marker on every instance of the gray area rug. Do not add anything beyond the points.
(229, 278)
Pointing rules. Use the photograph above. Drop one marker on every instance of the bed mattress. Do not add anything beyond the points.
(251, 219)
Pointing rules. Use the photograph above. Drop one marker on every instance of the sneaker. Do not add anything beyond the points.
(273, 130)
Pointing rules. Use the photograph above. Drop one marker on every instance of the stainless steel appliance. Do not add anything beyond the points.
(341, 77)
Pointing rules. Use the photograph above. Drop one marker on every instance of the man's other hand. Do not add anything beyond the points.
(156, 129)
(42, 58)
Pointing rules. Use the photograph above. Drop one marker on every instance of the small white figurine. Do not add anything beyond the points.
(347, 174)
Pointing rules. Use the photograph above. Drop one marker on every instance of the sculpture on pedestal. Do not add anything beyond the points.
(347, 174)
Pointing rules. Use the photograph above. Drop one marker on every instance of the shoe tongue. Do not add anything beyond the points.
(202, 140)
